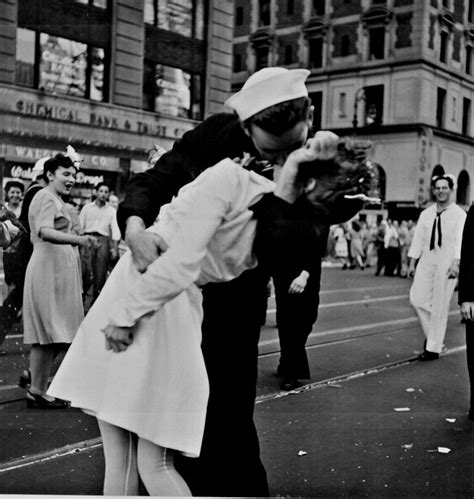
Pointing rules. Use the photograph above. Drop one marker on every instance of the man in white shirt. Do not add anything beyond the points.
(99, 219)
(437, 244)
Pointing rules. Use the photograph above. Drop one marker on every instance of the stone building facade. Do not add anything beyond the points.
(398, 72)
(110, 77)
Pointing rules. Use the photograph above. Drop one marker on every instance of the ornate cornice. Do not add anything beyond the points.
(469, 33)
(377, 15)
(446, 19)
(316, 26)
(262, 37)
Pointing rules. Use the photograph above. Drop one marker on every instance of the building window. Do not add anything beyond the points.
(342, 105)
(345, 45)
(317, 103)
(149, 12)
(60, 66)
(185, 17)
(264, 12)
(470, 12)
(316, 53)
(453, 113)
(440, 107)
(466, 116)
(288, 55)
(469, 59)
(102, 4)
(239, 16)
(261, 54)
(319, 7)
(462, 191)
(374, 105)
(25, 57)
(237, 63)
(443, 46)
(290, 7)
(172, 91)
(376, 43)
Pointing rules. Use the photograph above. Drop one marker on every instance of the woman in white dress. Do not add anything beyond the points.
(150, 400)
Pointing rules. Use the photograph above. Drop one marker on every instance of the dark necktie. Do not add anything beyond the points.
(436, 223)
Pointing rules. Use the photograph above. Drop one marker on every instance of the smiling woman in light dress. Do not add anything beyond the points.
(52, 303)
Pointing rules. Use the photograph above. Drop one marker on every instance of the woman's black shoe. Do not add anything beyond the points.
(34, 401)
(427, 355)
(25, 379)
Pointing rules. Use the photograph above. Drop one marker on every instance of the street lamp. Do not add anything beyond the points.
(360, 95)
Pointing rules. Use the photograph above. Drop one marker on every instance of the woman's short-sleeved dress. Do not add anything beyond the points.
(52, 299)
(158, 387)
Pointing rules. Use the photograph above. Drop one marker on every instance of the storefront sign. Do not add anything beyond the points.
(105, 118)
(32, 154)
(424, 167)
(24, 171)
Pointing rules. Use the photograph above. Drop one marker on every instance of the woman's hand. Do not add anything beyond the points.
(364, 198)
(117, 338)
(322, 146)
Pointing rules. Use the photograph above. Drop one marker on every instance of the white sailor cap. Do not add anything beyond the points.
(39, 165)
(268, 87)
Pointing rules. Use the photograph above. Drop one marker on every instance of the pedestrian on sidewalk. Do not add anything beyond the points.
(392, 248)
(52, 310)
(154, 395)
(98, 219)
(291, 242)
(14, 191)
(380, 246)
(11, 235)
(466, 298)
(437, 245)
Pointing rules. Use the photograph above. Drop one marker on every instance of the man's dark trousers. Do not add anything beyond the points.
(230, 455)
(470, 356)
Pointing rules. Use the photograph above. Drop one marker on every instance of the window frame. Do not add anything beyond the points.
(89, 48)
(150, 64)
(194, 20)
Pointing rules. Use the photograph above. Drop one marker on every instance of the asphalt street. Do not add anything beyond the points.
(372, 421)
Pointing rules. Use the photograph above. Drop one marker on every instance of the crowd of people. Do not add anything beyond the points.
(382, 246)
(205, 234)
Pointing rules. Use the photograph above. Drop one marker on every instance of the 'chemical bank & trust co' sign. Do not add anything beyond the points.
(102, 117)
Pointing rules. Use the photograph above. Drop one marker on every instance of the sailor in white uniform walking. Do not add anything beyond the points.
(437, 245)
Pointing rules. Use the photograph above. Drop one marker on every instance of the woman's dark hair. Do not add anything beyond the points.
(14, 184)
(56, 162)
(347, 173)
(449, 179)
(281, 117)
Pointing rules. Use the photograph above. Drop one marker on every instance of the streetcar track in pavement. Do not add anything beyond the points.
(409, 322)
(350, 376)
(96, 443)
